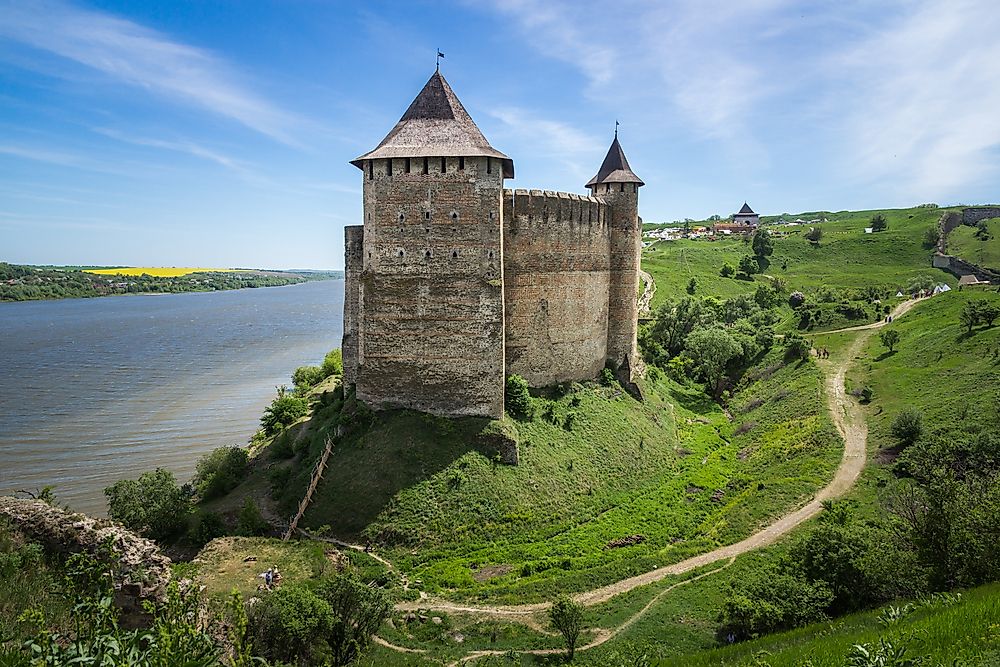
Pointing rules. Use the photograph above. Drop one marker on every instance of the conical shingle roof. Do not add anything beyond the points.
(436, 125)
(746, 210)
(615, 168)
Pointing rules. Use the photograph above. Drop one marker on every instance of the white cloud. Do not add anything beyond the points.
(141, 57)
(188, 147)
(922, 101)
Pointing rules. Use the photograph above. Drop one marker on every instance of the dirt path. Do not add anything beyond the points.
(896, 312)
(849, 420)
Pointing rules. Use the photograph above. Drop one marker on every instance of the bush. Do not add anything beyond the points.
(796, 347)
(290, 624)
(250, 522)
(727, 270)
(814, 235)
(153, 505)
(767, 601)
(879, 223)
(566, 617)
(207, 526)
(518, 400)
(220, 471)
(908, 426)
(608, 378)
(796, 299)
(333, 363)
(358, 611)
(306, 377)
(283, 411)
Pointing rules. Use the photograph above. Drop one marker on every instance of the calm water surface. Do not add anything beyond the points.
(95, 390)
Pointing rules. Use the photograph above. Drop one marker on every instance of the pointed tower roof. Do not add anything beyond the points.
(746, 210)
(436, 125)
(615, 168)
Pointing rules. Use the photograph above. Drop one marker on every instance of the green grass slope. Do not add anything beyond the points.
(846, 257)
(963, 242)
(941, 631)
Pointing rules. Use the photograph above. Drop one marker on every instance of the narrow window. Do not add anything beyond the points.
(621, 187)
(491, 254)
(454, 215)
(454, 254)
(427, 216)
(400, 253)
(461, 163)
(388, 167)
(489, 165)
(493, 215)
(444, 165)
(427, 255)
(402, 216)
(407, 165)
(635, 187)
(371, 169)
(425, 165)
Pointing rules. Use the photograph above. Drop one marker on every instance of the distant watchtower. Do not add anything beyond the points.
(618, 186)
(429, 334)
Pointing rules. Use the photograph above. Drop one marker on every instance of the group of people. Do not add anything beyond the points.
(822, 353)
(271, 578)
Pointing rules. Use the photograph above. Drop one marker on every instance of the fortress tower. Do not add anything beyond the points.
(453, 283)
(618, 186)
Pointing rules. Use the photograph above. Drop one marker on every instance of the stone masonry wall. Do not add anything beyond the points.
(623, 306)
(353, 265)
(430, 333)
(556, 282)
(971, 216)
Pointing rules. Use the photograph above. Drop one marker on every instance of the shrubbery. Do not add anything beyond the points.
(283, 411)
(518, 400)
(153, 505)
(220, 471)
(908, 426)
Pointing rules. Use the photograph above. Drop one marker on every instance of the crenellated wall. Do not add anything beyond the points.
(556, 282)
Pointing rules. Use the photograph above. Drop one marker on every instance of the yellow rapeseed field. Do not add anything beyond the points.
(157, 271)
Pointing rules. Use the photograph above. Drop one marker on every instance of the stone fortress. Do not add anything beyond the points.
(454, 283)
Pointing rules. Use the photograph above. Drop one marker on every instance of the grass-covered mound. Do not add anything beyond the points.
(606, 486)
(979, 245)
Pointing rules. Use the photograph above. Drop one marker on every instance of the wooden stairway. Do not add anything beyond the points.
(313, 483)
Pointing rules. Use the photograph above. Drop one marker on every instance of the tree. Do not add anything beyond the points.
(358, 611)
(762, 244)
(250, 522)
(290, 624)
(748, 266)
(889, 338)
(727, 270)
(333, 363)
(814, 235)
(797, 347)
(566, 617)
(712, 349)
(908, 426)
(153, 505)
(220, 471)
(675, 320)
(931, 237)
(879, 223)
(518, 400)
(969, 315)
(306, 377)
(796, 299)
(692, 286)
(283, 411)
(988, 312)
(766, 297)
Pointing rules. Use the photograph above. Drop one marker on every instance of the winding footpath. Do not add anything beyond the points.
(850, 422)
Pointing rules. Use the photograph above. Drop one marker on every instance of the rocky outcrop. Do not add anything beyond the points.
(142, 572)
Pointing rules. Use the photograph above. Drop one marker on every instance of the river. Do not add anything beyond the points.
(96, 390)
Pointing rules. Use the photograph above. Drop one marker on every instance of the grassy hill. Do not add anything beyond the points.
(845, 258)
(595, 466)
(983, 250)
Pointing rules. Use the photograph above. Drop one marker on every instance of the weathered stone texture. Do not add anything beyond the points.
(626, 244)
(141, 571)
(556, 264)
(972, 215)
(431, 296)
(353, 265)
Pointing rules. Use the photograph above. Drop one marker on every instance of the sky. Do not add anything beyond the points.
(219, 134)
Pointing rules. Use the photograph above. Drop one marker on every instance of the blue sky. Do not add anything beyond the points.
(193, 133)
